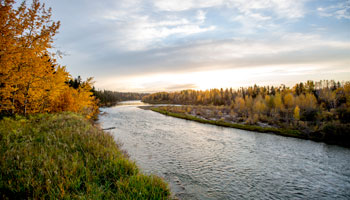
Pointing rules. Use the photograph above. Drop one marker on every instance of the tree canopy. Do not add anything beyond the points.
(31, 80)
(309, 107)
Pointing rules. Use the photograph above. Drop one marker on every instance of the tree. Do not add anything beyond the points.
(30, 79)
(296, 113)
(277, 101)
(328, 97)
(289, 100)
(26, 64)
(240, 106)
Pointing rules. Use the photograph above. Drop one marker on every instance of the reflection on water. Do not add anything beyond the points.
(202, 161)
(131, 103)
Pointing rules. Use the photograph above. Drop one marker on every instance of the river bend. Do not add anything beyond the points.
(202, 161)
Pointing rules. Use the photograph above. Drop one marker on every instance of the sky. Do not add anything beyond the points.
(168, 45)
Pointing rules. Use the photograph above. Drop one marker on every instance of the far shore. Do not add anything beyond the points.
(255, 128)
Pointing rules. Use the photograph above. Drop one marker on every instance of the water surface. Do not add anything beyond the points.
(202, 161)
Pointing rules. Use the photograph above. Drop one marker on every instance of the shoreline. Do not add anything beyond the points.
(280, 131)
(270, 130)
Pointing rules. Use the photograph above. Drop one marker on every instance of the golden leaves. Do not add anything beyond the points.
(30, 79)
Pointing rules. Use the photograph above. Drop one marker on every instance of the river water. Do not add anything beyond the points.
(201, 161)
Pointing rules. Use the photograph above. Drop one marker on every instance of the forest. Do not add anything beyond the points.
(317, 109)
(110, 98)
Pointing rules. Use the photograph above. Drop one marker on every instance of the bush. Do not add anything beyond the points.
(63, 156)
(309, 115)
(337, 132)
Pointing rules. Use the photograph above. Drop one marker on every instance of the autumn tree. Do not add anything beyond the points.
(30, 79)
(26, 64)
(296, 114)
(240, 105)
(310, 103)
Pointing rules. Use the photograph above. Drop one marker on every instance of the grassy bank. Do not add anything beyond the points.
(63, 156)
(284, 132)
(331, 132)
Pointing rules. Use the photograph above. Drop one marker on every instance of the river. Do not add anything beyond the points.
(201, 161)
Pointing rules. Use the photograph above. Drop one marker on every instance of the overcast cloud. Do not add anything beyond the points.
(129, 45)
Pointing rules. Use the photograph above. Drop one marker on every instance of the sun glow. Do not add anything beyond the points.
(224, 78)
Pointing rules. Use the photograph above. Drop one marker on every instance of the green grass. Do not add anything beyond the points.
(279, 131)
(63, 156)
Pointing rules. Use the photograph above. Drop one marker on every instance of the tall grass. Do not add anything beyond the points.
(63, 156)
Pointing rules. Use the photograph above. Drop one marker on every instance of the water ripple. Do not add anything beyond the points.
(202, 161)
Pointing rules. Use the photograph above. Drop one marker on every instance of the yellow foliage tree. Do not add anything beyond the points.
(277, 101)
(289, 100)
(26, 66)
(347, 93)
(30, 79)
(296, 113)
(240, 105)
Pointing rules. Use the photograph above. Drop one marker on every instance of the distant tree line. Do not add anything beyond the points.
(110, 98)
(309, 106)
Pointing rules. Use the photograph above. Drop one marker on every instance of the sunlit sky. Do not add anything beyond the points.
(166, 45)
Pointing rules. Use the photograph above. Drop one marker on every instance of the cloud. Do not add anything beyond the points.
(339, 11)
(181, 5)
(201, 16)
(126, 38)
(276, 45)
(283, 8)
(142, 32)
(280, 49)
(135, 25)
(288, 9)
(181, 86)
(225, 78)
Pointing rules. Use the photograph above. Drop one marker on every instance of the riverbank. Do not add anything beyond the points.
(285, 132)
(315, 136)
(202, 161)
(64, 156)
